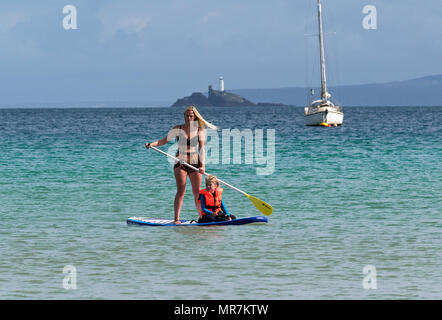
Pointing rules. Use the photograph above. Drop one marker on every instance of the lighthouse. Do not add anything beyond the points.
(221, 84)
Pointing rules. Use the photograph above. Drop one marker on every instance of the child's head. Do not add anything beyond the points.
(212, 182)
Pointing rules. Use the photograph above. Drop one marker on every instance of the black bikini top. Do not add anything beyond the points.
(188, 140)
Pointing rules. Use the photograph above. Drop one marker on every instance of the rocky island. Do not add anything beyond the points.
(218, 98)
(215, 98)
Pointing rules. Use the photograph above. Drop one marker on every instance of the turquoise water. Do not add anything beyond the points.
(366, 193)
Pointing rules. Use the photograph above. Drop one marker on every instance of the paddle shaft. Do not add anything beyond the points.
(196, 169)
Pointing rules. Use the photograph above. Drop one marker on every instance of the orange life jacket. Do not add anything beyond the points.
(212, 203)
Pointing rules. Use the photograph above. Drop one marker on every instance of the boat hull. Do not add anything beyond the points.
(327, 116)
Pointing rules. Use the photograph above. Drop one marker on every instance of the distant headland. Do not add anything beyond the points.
(424, 91)
(219, 98)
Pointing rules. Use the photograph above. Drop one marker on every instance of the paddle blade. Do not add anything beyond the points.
(262, 206)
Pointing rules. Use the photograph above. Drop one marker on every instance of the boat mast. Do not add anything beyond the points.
(324, 93)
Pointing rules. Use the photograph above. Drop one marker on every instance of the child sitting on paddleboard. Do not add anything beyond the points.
(212, 205)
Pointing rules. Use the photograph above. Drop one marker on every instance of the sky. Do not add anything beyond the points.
(161, 50)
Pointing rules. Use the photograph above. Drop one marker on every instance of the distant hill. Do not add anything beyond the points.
(426, 91)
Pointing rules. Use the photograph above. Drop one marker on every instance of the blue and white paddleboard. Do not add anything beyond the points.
(158, 222)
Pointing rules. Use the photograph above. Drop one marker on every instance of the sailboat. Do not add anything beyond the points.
(323, 112)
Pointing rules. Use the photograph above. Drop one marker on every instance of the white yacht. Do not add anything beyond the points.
(323, 112)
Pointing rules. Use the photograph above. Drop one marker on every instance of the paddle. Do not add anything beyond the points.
(262, 206)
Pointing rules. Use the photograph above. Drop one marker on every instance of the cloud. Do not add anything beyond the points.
(9, 20)
(115, 19)
(208, 16)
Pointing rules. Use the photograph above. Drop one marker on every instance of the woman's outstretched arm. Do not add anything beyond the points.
(170, 136)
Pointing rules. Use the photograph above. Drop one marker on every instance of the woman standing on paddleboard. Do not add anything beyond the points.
(190, 136)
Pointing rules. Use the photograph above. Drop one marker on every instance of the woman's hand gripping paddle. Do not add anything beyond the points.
(262, 206)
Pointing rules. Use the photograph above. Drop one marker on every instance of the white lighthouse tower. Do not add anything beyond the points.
(221, 84)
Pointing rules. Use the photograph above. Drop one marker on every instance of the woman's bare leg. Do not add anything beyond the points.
(196, 179)
(180, 177)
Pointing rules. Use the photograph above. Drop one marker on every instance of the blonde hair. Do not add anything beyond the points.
(212, 179)
(201, 121)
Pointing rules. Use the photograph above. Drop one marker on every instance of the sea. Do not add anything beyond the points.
(357, 208)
